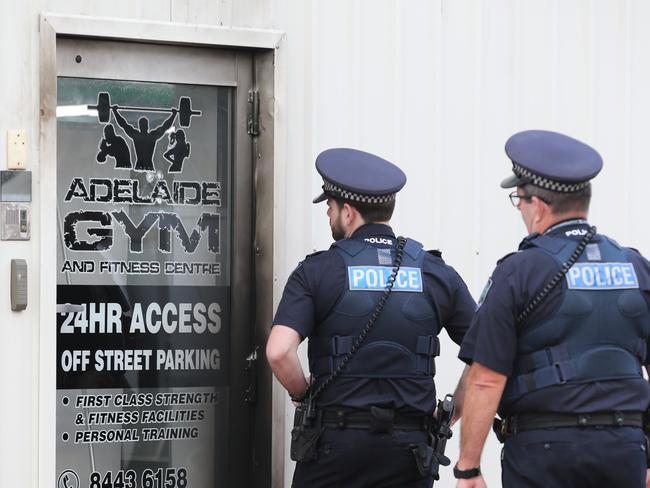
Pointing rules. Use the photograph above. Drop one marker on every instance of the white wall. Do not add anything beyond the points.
(436, 86)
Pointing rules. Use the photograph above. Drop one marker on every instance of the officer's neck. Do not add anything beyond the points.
(551, 219)
(356, 225)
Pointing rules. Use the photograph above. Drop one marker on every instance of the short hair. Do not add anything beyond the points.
(561, 202)
(370, 212)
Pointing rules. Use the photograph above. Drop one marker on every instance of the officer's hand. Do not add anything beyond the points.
(307, 385)
(647, 478)
(476, 482)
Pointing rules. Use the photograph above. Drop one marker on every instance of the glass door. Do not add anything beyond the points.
(153, 263)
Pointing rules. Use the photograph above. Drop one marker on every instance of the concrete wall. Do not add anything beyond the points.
(436, 86)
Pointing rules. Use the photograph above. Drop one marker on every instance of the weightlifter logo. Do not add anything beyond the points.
(110, 222)
(143, 137)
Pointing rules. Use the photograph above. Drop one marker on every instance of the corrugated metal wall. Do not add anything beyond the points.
(436, 86)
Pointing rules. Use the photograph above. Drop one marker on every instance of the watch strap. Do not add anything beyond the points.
(466, 473)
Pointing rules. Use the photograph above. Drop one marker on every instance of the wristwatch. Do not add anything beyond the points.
(298, 399)
(466, 473)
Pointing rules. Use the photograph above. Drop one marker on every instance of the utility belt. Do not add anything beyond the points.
(429, 454)
(515, 424)
(375, 420)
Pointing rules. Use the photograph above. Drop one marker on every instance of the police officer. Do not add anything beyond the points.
(560, 337)
(373, 415)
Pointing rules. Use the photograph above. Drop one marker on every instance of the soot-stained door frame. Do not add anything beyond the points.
(264, 47)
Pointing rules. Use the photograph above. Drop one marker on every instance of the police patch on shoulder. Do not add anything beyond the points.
(485, 291)
(602, 276)
(375, 278)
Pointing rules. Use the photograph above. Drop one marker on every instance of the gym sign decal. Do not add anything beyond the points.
(96, 230)
(144, 137)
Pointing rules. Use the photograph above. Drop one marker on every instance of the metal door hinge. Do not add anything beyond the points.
(250, 395)
(253, 120)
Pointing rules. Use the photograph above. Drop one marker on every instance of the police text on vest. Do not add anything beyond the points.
(375, 278)
(602, 276)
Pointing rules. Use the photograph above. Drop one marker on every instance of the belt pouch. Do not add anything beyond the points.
(304, 437)
(425, 460)
(381, 420)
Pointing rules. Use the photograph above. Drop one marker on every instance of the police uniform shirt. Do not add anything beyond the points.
(315, 287)
(492, 338)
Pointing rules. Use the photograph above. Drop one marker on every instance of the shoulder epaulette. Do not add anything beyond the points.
(506, 257)
(412, 248)
(551, 244)
(615, 243)
(435, 252)
(350, 246)
(313, 254)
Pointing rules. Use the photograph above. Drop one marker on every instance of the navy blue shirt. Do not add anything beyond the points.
(492, 338)
(318, 283)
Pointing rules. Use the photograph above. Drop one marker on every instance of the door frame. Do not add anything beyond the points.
(266, 46)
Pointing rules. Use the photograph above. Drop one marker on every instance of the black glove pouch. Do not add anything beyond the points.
(425, 459)
(304, 438)
(497, 428)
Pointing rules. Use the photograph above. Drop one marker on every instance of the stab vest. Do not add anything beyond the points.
(600, 330)
(401, 343)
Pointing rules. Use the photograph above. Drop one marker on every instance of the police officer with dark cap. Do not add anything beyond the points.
(371, 351)
(560, 338)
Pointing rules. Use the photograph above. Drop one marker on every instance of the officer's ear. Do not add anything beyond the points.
(348, 212)
(542, 209)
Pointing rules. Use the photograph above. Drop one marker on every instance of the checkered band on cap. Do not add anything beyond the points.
(331, 189)
(546, 183)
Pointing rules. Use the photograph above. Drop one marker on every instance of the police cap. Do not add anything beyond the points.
(551, 160)
(358, 176)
